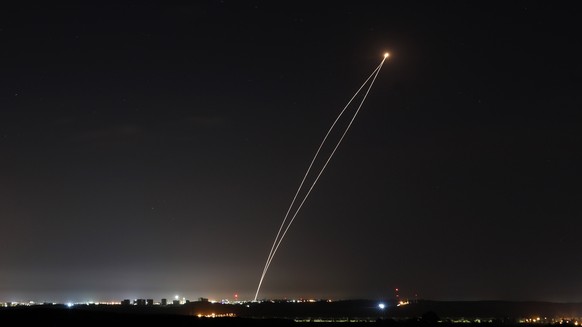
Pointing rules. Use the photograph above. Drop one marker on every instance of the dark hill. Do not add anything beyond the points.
(283, 313)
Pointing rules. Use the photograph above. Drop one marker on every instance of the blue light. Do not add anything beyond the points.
(382, 306)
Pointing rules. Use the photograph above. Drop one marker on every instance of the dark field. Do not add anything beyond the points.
(344, 313)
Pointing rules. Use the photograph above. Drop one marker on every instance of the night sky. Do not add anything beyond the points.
(150, 150)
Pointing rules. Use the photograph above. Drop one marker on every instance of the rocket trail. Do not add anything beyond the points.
(280, 236)
(309, 169)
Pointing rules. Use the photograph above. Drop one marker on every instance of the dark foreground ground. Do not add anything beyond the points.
(59, 316)
(341, 313)
(51, 316)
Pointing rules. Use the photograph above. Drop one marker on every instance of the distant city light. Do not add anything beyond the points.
(69, 304)
(382, 306)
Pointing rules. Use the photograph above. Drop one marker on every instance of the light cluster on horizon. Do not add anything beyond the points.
(151, 302)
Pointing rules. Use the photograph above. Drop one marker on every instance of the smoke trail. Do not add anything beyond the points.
(309, 169)
(279, 237)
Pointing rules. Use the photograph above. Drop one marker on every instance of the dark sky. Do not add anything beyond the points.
(149, 150)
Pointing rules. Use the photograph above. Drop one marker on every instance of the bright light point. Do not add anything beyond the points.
(382, 306)
(386, 55)
(69, 304)
(177, 297)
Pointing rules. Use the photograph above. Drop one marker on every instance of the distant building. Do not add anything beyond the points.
(150, 302)
(140, 302)
(202, 299)
(164, 302)
(125, 302)
(176, 302)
